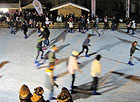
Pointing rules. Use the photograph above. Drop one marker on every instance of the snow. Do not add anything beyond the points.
(20, 68)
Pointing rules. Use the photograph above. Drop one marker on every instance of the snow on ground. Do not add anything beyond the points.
(18, 55)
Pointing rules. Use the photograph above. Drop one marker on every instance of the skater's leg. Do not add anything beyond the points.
(37, 54)
(73, 80)
(95, 83)
(82, 50)
(92, 85)
(42, 53)
(87, 49)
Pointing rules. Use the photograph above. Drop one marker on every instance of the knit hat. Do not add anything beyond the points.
(24, 91)
(39, 90)
(75, 53)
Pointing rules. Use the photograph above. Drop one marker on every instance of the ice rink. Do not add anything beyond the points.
(119, 82)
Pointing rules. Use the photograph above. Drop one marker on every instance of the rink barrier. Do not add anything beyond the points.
(57, 25)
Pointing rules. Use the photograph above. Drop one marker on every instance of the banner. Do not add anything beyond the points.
(93, 8)
(37, 5)
(127, 8)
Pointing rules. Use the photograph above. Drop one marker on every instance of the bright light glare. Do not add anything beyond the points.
(4, 10)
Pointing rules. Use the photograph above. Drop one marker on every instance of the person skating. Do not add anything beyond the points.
(72, 67)
(64, 96)
(50, 81)
(85, 45)
(24, 94)
(51, 54)
(25, 29)
(132, 50)
(39, 49)
(45, 33)
(133, 27)
(128, 24)
(95, 73)
(38, 95)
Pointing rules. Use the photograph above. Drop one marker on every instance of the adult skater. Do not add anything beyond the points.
(39, 49)
(25, 29)
(133, 27)
(45, 33)
(128, 24)
(50, 81)
(95, 73)
(85, 45)
(51, 54)
(64, 96)
(132, 50)
(24, 94)
(72, 67)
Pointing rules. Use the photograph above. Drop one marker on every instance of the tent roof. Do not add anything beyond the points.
(67, 4)
(30, 6)
(9, 5)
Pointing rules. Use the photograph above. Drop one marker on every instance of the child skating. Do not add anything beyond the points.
(132, 51)
(39, 49)
(85, 45)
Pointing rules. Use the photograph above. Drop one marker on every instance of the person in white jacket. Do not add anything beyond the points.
(72, 67)
(133, 26)
(95, 73)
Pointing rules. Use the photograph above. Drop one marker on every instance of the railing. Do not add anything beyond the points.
(57, 25)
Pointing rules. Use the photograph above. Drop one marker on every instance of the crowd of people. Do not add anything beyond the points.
(32, 19)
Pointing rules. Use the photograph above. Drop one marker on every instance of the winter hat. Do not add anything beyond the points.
(39, 90)
(75, 53)
(24, 91)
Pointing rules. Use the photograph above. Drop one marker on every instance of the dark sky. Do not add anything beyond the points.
(85, 3)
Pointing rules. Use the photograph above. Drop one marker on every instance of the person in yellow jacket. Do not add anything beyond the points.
(72, 67)
(95, 73)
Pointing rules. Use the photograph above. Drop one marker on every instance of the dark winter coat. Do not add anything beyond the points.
(45, 33)
(25, 28)
(86, 42)
(132, 50)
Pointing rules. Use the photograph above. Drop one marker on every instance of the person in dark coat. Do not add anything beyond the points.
(37, 95)
(64, 96)
(24, 94)
(132, 50)
(39, 48)
(85, 45)
(25, 29)
(45, 34)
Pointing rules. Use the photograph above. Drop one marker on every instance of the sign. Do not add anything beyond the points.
(37, 5)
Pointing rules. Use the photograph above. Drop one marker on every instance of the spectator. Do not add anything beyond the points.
(59, 18)
(24, 94)
(64, 96)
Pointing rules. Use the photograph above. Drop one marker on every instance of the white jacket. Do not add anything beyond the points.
(72, 65)
(95, 68)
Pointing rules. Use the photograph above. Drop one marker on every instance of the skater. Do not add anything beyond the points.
(11, 25)
(39, 48)
(50, 81)
(25, 29)
(133, 27)
(37, 95)
(24, 94)
(51, 55)
(64, 96)
(132, 50)
(128, 24)
(85, 45)
(45, 33)
(72, 67)
(95, 73)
